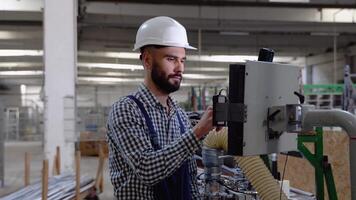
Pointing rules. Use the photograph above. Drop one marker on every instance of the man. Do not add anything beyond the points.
(150, 138)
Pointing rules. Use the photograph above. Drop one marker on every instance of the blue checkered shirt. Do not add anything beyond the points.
(134, 164)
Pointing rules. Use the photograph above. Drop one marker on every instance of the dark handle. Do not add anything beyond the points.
(300, 96)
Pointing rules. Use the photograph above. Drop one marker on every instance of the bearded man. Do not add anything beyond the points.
(151, 141)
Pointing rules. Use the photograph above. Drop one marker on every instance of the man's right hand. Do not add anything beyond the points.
(205, 124)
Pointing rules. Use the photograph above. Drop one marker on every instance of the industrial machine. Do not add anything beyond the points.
(217, 185)
(265, 114)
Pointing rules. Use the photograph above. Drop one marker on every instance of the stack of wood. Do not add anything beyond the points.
(59, 187)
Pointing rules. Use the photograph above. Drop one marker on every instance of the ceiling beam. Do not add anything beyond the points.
(236, 3)
(291, 14)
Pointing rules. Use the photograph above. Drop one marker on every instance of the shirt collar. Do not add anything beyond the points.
(150, 99)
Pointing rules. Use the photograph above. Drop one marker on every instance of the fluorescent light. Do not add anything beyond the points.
(213, 58)
(20, 64)
(237, 33)
(20, 73)
(23, 94)
(203, 76)
(32, 6)
(238, 58)
(6, 35)
(290, 1)
(221, 58)
(23, 88)
(14, 52)
(208, 58)
(26, 52)
(189, 84)
(337, 15)
(110, 80)
(324, 34)
(113, 74)
(207, 69)
(103, 80)
(111, 66)
(127, 55)
(123, 55)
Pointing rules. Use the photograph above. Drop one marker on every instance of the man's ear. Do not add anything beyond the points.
(147, 60)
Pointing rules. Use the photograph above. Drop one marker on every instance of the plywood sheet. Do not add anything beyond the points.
(301, 174)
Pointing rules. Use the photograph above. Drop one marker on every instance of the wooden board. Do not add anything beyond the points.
(90, 143)
(301, 174)
(91, 148)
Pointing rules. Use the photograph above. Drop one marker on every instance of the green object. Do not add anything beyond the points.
(319, 162)
(330, 184)
(324, 89)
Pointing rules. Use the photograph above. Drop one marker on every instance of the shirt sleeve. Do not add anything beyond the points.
(127, 133)
(192, 165)
(193, 173)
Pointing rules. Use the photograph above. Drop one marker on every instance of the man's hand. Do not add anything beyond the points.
(205, 124)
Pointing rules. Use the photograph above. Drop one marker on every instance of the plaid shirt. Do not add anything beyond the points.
(134, 164)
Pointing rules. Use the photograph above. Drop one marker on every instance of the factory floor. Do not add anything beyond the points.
(14, 167)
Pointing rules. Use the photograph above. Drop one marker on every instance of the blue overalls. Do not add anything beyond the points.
(178, 185)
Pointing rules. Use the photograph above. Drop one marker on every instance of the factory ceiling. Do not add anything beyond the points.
(293, 30)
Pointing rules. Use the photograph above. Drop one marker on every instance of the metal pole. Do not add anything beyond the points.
(335, 48)
(321, 166)
(335, 60)
(319, 171)
(2, 149)
(314, 159)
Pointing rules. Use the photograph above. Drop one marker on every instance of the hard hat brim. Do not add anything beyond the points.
(186, 46)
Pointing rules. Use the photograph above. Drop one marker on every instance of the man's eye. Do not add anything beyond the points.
(170, 59)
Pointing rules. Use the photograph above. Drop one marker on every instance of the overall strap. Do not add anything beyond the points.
(152, 132)
(177, 186)
(181, 125)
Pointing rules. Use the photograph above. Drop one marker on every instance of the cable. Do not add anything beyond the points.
(284, 170)
(222, 90)
(229, 188)
(199, 176)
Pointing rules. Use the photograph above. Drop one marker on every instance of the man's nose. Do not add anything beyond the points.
(179, 66)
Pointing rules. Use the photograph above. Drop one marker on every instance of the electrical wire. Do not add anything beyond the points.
(222, 90)
(229, 188)
(284, 170)
(199, 176)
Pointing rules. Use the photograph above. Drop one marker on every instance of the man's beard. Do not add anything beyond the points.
(162, 81)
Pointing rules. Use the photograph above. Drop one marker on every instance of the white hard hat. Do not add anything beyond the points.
(163, 31)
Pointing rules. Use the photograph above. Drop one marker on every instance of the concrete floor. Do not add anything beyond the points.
(14, 167)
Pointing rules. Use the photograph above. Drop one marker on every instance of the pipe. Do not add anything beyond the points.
(341, 118)
(254, 168)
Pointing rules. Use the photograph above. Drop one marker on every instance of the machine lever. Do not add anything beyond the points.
(300, 96)
(271, 116)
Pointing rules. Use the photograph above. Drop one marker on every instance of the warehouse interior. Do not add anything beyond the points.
(64, 63)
